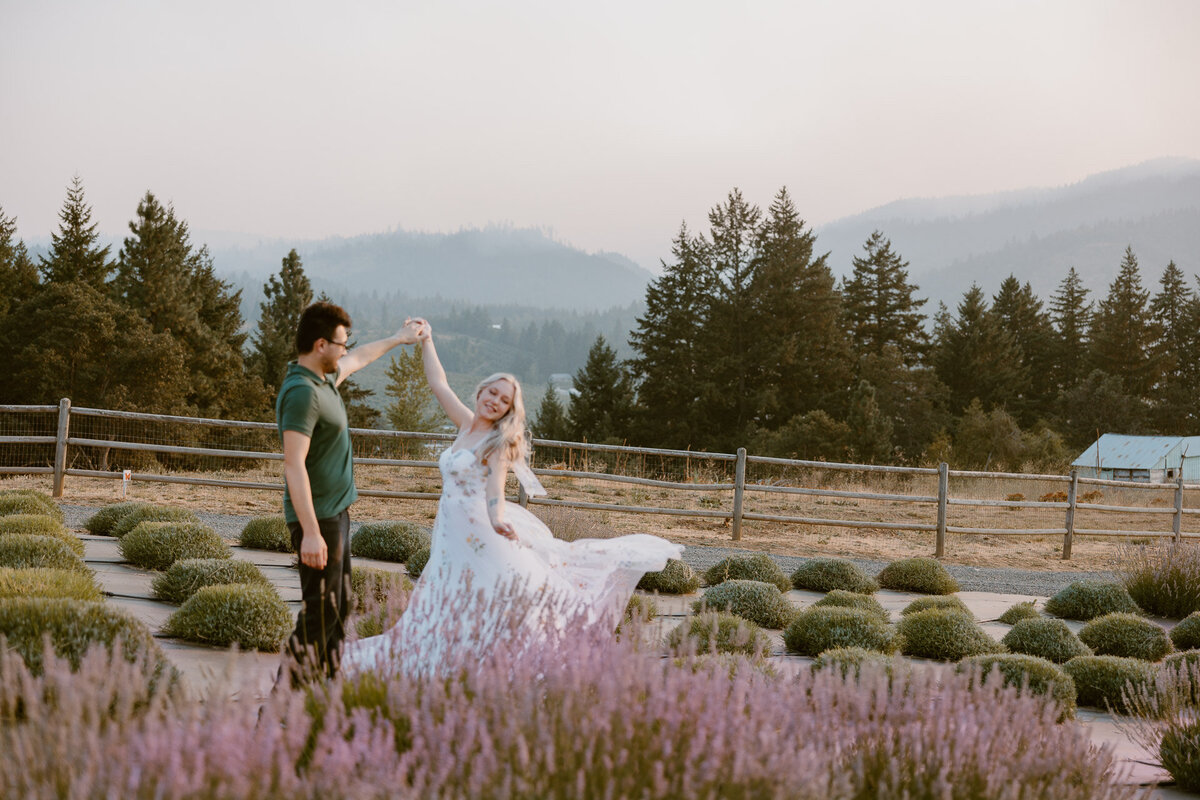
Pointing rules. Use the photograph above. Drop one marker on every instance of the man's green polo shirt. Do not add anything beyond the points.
(310, 404)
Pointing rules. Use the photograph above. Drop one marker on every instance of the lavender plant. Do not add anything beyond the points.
(1163, 579)
(1126, 635)
(31, 552)
(149, 513)
(389, 541)
(828, 574)
(158, 545)
(761, 603)
(1019, 612)
(924, 575)
(101, 523)
(27, 501)
(267, 533)
(847, 599)
(675, 578)
(1047, 638)
(756, 567)
(42, 582)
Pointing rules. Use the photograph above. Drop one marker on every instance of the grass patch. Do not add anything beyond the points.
(829, 574)
(39, 525)
(816, 630)
(923, 575)
(389, 541)
(43, 582)
(31, 552)
(761, 603)
(675, 578)
(1126, 635)
(1046, 638)
(944, 635)
(158, 545)
(267, 533)
(187, 576)
(1084, 600)
(252, 617)
(757, 567)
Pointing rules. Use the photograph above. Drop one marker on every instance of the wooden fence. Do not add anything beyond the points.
(28, 447)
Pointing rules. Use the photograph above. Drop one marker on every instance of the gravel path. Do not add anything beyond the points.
(972, 579)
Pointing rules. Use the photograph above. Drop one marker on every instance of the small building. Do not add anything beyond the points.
(1152, 459)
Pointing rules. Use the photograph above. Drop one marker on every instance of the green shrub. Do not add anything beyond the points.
(924, 575)
(757, 567)
(1038, 675)
(1179, 752)
(1184, 659)
(718, 632)
(1084, 600)
(675, 578)
(816, 630)
(849, 661)
(1019, 612)
(267, 533)
(1100, 680)
(102, 522)
(761, 603)
(945, 635)
(22, 552)
(253, 617)
(1047, 638)
(389, 541)
(640, 608)
(158, 545)
(417, 561)
(846, 599)
(39, 525)
(828, 574)
(1126, 635)
(731, 664)
(73, 626)
(1186, 635)
(937, 601)
(370, 587)
(150, 513)
(187, 576)
(27, 501)
(43, 582)
(1163, 579)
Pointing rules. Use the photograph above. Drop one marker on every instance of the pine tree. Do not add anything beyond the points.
(413, 406)
(551, 420)
(18, 276)
(881, 307)
(1020, 312)
(986, 440)
(1124, 332)
(74, 251)
(912, 398)
(1099, 404)
(1072, 316)
(287, 295)
(870, 429)
(601, 409)
(976, 357)
(1175, 310)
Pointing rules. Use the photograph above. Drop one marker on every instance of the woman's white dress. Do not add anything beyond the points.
(480, 588)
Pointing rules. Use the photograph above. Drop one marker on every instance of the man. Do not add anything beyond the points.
(319, 477)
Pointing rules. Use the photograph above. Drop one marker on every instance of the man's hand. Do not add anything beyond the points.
(411, 332)
(313, 551)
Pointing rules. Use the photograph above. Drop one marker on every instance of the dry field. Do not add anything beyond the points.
(1024, 551)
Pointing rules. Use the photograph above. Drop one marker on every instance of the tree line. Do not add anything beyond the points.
(748, 339)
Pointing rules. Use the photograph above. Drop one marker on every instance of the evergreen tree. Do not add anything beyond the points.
(912, 398)
(1124, 332)
(18, 276)
(811, 436)
(988, 440)
(602, 408)
(287, 295)
(976, 357)
(870, 429)
(1175, 313)
(667, 344)
(1020, 313)
(881, 308)
(1097, 405)
(413, 406)
(1072, 316)
(551, 420)
(800, 354)
(75, 254)
(359, 412)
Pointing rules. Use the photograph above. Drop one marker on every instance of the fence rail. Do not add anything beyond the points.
(27, 447)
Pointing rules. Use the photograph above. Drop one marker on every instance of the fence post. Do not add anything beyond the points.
(943, 495)
(739, 490)
(522, 497)
(60, 445)
(1177, 522)
(1072, 493)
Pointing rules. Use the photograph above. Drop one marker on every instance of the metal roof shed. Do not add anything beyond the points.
(1154, 459)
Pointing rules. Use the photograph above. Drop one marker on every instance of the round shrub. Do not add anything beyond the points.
(150, 513)
(267, 533)
(1186, 635)
(21, 552)
(389, 541)
(641, 608)
(945, 635)
(718, 632)
(187, 576)
(101, 523)
(27, 501)
(843, 599)
(1185, 659)
(39, 525)
(1126, 635)
(73, 626)
(849, 661)
(1099, 680)
(1019, 612)
(253, 617)
(828, 574)
(371, 587)
(675, 578)
(757, 567)
(1038, 675)
(816, 630)
(761, 603)
(1047, 638)
(924, 575)
(1084, 600)
(43, 582)
(417, 561)
(937, 601)
(158, 545)
(1179, 752)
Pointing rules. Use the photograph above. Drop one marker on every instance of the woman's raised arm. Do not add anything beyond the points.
(435, 376)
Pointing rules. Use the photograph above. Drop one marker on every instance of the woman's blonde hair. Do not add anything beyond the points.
(508, 435)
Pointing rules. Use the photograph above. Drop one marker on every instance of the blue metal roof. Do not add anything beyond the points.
(1118, 451)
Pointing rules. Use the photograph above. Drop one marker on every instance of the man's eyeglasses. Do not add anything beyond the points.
(346, 345)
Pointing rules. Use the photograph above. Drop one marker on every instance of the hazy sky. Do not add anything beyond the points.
(606, 122)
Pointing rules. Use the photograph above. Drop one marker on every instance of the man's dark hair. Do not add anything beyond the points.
(319, 321)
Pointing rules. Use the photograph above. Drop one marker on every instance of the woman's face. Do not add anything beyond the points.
(494, 400)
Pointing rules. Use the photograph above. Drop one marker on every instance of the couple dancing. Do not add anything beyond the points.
(496, 575)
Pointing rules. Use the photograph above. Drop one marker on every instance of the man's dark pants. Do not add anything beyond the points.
(316, 644)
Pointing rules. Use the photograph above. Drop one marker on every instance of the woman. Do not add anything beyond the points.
(496, 575)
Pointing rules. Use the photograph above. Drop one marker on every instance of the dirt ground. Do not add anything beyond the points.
(992, 550)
